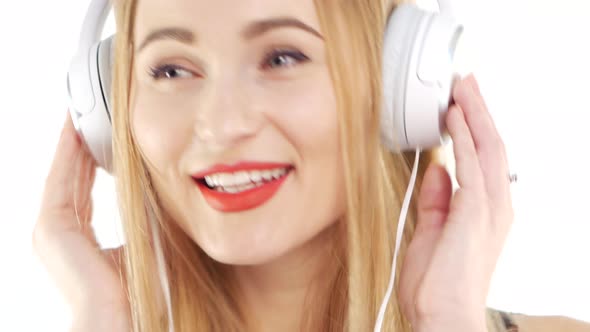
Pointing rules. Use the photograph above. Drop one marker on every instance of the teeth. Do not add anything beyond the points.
(210, 181)
(255, 176)
(242, 180)
(237, 189)
(267, 175)
(277, 173)
(231, 190)
(226, 180)
(242, 177)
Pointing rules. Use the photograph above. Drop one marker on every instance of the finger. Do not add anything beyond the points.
(433, 208)
(70, 180)
(85, 181)
(67, 149)
(490, 148)
(469, 175)
(504, 189)
(66, 203)
(473, 104)
(115, 256)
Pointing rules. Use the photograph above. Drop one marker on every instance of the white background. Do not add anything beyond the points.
(531, 57)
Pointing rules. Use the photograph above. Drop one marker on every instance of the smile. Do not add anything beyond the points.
(243, 180)
(241, 186)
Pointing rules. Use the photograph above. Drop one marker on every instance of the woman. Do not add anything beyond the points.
(262, 89)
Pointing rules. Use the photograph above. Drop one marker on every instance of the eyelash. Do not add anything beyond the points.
(160, 72)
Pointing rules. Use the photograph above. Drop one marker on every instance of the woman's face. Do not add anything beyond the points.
(235, 111)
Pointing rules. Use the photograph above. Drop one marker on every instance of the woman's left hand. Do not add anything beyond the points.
(448, 267)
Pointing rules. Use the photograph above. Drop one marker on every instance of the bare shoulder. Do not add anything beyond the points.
(528, 323)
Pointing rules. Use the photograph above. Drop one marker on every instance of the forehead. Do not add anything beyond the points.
(217, 16)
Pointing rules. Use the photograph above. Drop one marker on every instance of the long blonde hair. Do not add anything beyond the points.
(203, 296)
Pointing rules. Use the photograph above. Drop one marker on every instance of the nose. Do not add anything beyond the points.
(227, 112)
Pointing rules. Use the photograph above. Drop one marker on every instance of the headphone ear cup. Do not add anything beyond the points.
(417, 77)
(105, 70)
(400, 38)
(96, 125)
(89, 86)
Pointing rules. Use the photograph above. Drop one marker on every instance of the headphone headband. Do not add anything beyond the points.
(94, 21)
(445, 6)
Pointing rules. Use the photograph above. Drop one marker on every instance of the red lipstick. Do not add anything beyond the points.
(243, 200)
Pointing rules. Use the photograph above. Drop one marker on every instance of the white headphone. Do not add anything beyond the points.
(89, 85)
(417, 79)
(418, 74)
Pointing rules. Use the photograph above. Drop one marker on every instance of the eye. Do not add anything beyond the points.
(283, 58)
(169, 72)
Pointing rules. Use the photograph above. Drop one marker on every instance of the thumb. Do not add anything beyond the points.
(433, 208)
(434, 198)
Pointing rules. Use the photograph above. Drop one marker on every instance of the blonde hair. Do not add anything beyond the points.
(203, 296)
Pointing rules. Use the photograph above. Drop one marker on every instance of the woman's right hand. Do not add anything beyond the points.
(89, 278)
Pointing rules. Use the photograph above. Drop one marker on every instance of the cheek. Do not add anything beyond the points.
(306, 114)
(162, 136)
(160, 132)
(307, 117)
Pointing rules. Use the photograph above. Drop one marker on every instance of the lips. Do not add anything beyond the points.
(259, 190)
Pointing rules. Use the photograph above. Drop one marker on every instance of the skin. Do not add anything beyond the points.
(224, 107)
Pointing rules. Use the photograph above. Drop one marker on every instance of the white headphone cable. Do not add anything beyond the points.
(400, 228)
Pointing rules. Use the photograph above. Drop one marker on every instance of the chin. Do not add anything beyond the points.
(259, 247)
(255, 254)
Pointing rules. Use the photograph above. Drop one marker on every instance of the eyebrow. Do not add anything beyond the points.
(258, 28)
(252, 30)
(181, 34)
